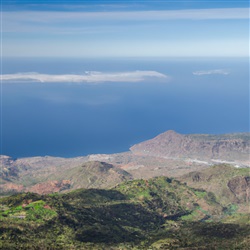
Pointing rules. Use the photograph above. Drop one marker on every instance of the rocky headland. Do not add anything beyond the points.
(168, 154)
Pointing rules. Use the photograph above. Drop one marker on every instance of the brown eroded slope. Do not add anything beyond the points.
(92, 174)
(228, 147)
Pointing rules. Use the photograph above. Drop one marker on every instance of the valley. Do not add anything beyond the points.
(169, 154)
(170, 192)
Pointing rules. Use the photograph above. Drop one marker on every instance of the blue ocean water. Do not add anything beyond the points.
(70, 119)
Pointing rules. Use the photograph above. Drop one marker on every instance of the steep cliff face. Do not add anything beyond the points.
(171, 144)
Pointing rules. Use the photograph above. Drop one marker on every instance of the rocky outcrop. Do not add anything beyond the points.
(240, 187)
(198, 177)
(229, 184)
(8, 169)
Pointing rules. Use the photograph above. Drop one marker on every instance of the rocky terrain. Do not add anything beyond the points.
(229, 184)
(169, 154)
(228, 147)
(198, 197)
(91, 174)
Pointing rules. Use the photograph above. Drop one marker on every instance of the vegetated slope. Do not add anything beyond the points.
(160, 213)
(231, 147)
(229, 184)
(92, 174)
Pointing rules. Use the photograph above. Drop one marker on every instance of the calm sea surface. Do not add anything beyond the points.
(69, 119)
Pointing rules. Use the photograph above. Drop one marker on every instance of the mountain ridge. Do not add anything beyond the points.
(159, 213)
(229, 147)
(111, 201)
(168, 154)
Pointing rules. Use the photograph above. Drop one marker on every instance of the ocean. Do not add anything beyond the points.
(200, 95)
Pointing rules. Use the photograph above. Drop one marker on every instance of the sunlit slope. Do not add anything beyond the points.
(159, 212)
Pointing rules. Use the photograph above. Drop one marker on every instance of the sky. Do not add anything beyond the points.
(125, 28)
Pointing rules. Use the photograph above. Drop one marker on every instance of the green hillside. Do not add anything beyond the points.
(160, 213)
(229, 184)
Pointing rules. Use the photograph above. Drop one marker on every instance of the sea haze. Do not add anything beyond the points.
(72, 119)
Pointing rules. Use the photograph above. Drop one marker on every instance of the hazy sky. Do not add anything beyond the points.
(125, 28)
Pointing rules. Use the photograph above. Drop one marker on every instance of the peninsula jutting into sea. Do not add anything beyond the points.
(168, 154)
(164, 192)
(124, 125)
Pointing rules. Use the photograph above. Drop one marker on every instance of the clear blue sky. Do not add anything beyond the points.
(125, 28)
